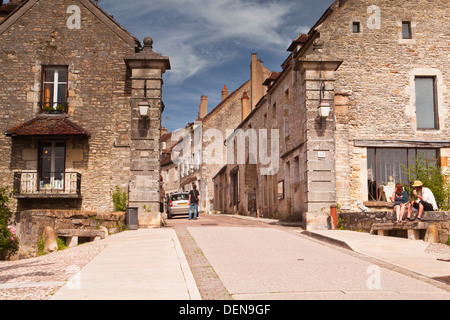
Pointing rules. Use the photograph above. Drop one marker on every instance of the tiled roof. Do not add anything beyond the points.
(301, 39)
(47, 126)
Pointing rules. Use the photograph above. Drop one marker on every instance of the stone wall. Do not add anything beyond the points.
(376, 79)
(98, 93)
(362, 221)
(33, 223)
(226, 116)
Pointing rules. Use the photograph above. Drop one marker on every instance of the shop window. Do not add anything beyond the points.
(387, 166)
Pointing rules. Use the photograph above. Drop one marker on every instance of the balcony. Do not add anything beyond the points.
(47, 185)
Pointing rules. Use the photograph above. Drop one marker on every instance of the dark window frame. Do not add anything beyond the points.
(41, 156)
(406, 30)
(51, 103)
(356, 27)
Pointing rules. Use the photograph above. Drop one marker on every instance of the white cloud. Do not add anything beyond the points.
(201, 33)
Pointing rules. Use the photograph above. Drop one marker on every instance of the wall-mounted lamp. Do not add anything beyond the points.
(324, 106)
(143, 109)
(324, 109)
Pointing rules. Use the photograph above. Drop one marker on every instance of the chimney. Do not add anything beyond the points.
(225, 93)
(163, 131)
(257, 79)
(203, 110)
(246, 108)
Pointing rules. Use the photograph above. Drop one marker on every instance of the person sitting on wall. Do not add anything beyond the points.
(400, 199)
(425, 200)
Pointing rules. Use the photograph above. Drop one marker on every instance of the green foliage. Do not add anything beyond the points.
(9, 241)
(61, 245)
(41, 245)
(120, 199)
(430, 173)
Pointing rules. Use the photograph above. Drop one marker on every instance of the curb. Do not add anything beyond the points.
(326, 239)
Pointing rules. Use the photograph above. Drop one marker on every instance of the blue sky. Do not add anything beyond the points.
(210, 42)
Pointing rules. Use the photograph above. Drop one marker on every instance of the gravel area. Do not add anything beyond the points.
(38, 278)
(439, 249)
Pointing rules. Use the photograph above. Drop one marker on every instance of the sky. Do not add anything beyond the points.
(210, 42)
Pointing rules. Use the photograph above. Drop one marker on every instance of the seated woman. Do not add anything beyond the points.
(400, 199)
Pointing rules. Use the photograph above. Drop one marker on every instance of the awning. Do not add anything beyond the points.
(47, 126)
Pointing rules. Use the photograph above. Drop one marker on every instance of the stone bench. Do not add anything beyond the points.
(413, 228)
(72, 235)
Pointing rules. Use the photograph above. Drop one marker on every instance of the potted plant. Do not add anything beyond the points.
(60, 108)
(48, 109)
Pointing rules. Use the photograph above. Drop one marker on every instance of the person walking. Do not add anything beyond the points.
(425, 200)
(194, 199)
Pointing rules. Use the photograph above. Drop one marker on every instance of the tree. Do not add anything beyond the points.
(9, 241)
(430, 173)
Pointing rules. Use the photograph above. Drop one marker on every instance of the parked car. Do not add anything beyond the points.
(178, 204)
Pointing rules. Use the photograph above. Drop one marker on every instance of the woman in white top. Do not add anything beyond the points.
(425, 200)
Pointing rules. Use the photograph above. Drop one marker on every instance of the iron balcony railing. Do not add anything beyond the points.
(41, 184)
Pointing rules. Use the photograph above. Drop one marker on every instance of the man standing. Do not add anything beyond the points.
(425, 200)
(194, 199)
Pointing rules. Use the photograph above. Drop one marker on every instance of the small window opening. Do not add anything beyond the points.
(406, 30)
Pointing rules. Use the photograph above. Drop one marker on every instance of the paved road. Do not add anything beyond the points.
(252, 260)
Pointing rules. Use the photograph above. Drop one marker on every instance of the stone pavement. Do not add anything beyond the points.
(281, 264)
(147, 264)
(150, 264)
(401, 252)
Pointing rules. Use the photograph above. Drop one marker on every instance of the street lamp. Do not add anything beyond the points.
(324, 109)
(324, 106)
(143, 109)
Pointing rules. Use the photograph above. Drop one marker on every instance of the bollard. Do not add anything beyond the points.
(333, 210)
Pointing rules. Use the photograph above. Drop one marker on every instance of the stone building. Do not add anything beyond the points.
(80, 108)
(201, 152)
(382, 69)
(169, 170)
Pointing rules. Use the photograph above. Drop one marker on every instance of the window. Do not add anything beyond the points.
(54, 88)
(179, 196)
(406, 30)
(286, 96)
(286, 128)
(234, 188)
(52, 164)
(356, 27)
(426, 106)
(388, 165)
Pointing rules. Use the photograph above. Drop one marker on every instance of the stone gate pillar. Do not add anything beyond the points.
(147, 68)
(318, 85)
